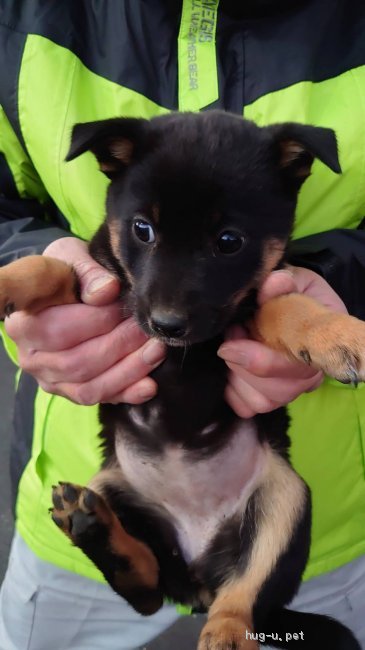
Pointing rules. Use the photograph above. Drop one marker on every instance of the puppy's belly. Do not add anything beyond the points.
(198, 494)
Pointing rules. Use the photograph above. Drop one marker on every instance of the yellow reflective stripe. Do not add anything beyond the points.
(54, 78)
(330, 424)
(57, 421)
(198, 76)
(326, 201)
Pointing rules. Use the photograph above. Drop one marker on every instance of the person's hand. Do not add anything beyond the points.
(89, 352)
(262, 379)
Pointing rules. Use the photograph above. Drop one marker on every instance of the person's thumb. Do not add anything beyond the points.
(97, 286)
(276, 284)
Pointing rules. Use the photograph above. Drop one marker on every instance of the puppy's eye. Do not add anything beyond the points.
(144, 231)
(229, 242)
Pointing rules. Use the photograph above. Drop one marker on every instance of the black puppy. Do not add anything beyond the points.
(193, 502)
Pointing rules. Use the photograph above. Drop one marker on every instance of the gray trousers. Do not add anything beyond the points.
(43, 607)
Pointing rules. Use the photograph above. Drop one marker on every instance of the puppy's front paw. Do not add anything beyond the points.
(336, 344)
(34, 283)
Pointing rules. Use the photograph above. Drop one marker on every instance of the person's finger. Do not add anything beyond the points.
(87, 360)
(246, 401)
(97, 285)
(314, 286)
(62, 327)
(262, 361)
(140, 392)
(116, 379)
(299, 280)
(277, 284)
(278, 390)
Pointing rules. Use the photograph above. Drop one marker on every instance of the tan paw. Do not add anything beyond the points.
(336, 344)
(226, 633)
(34, 283)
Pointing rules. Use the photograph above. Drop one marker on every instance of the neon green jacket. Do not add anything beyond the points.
(70, 62)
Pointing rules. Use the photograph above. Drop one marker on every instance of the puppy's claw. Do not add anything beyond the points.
(57, 500)
(58, 521)
(9, 309)
(306, 357)
(353, 377)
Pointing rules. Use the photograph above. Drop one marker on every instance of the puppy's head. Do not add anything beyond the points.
(199, 210)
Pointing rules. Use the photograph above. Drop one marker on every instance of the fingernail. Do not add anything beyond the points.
(147, 390)
(285, 271)
(153, 352)
(230, 354)
(98, 284)
(146, 394)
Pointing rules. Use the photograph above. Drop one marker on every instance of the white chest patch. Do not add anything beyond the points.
(198, 494)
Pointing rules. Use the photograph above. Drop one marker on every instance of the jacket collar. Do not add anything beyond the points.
(257, 8)
(241, 9)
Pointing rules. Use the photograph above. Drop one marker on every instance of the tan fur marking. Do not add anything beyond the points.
(227, 632)
(297, 325)
(144, 567)
(281, 499)
(273, 253)
(108, 476)
(122, 149)
(290, 152)
(285, 321)
(280, 502)
(143, 562)
(36, 282)
(107, 167)
(239, 296)
(114, 237)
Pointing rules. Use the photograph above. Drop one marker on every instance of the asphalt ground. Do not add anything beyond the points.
(182, 635)
(7, 377)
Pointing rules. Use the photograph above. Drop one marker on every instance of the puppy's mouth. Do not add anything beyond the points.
(173, 343)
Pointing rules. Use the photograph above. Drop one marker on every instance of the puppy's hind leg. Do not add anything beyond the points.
(34, 283)
(281, 507)
(128, 565)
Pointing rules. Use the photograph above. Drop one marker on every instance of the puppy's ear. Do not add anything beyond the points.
(297, 145)
(115, 143)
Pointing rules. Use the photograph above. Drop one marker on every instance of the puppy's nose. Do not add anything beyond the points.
(169, 324)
